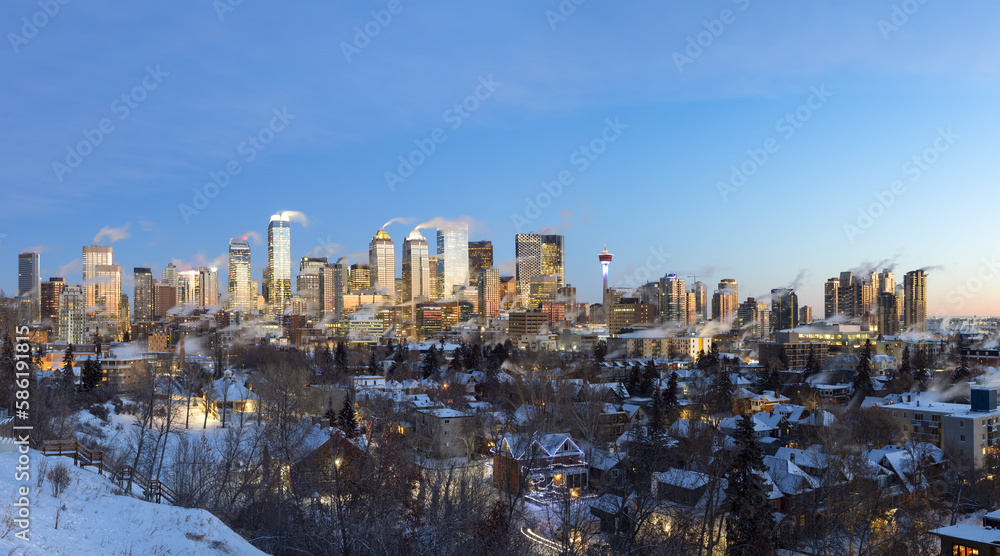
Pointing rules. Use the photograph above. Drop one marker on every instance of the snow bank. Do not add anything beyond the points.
(94, 520)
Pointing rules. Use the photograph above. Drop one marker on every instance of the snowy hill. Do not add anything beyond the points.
(93, 520)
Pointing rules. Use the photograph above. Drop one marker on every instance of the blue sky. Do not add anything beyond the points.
(212, 81)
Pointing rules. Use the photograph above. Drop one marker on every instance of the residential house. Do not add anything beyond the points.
(538, 461)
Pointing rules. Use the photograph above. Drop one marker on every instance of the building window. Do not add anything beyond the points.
(894, 414)
(962, 438)
(446, 421)
(961, 424)
(959, 550)
(906, 415)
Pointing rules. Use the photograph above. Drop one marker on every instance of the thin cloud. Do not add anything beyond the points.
(113, 234)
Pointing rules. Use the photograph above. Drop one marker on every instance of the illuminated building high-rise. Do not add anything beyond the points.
(673, 303)
(753, 318)
(169, 275)
(488, 285)
(94, 256)
(784, 309)
(360, 277)
(453, 257)
(107, 287)
(701, 301)
(553, 254)
(50, 300)
(188, 282)
(279, 261)
(29, 282)
(437, 287)
(208, 287)
(724, 301)
(542, 289)
(416, 269)
(308, 284)
(480, 257)
(72, 326)
(831, 292)
(382, 264)
(528, 252)
(143, 298)
(242, 298)
(915, 301)
(888, 313)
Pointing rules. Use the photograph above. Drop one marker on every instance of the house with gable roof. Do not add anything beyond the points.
(541, 460)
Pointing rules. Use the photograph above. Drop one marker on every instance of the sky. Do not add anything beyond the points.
(778, 143)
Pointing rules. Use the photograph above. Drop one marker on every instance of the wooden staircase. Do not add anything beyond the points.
(153, 490)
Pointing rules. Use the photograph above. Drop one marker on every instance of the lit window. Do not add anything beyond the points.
(959, 550)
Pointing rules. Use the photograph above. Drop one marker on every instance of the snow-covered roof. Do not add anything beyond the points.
(789, 477)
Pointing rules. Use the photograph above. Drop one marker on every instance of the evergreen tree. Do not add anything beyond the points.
(347, 421)
(456, 359)
(600, 351)
(68, 379)
(634, 380)
(921, 364)
(430, 365)
(340, 357)
(473, 357)
(812, 364)
(905, 369)
(373, 367)
(656, 417)
(90, 375)
(720, 393)
(750, 520)
(862, 386)
(769, 379)
(670, 405)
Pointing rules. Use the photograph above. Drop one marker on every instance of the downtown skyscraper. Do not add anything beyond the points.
(382, 264)
(453, 257)
(29, 283)
(528, 252)
(416, 269)
(480, 257)
(279, 263)
(142, 299)
(242, 298)
(915, 301)
(94, 256)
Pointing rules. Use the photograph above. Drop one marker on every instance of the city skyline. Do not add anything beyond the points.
(726, 286)
(664, 155)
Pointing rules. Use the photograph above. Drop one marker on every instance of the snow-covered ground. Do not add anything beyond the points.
(94, 520)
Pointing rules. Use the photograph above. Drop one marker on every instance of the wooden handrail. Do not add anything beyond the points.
(153, 489)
